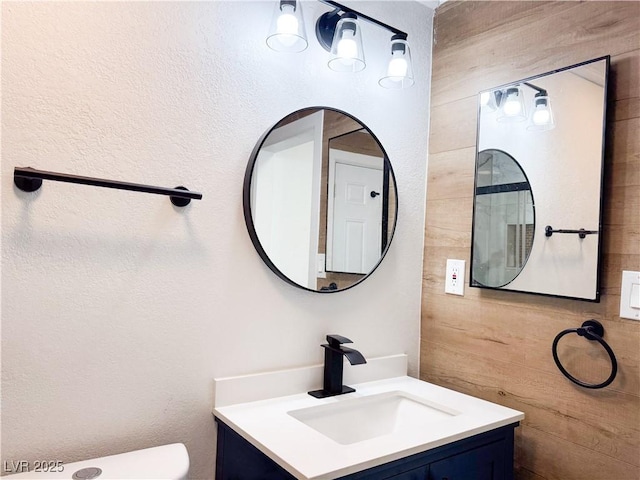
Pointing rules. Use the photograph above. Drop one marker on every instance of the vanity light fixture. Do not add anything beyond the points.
(511, 105)
(287, 32)
(339, 32)
(342, 24)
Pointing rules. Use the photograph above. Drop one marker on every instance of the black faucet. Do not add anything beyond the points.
(333, 364)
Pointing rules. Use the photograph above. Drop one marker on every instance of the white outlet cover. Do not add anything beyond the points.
(454, 277)
(630, 295)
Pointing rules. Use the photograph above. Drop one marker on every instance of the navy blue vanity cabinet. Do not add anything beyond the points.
(486, 456)
(237, 459)
(484, 463)
(413, 474)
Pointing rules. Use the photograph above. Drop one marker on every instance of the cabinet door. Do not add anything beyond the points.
(484, 463)
(237, 459)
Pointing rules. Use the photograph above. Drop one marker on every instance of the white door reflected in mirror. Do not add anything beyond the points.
(354, 214)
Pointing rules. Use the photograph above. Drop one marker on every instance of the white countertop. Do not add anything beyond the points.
(307, 454)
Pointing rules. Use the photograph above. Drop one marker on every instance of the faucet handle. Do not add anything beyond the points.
(337, 340)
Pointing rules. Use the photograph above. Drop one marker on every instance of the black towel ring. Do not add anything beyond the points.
(591, 330)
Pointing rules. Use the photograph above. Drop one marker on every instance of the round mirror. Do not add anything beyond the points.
(503, 220)
(320, 200)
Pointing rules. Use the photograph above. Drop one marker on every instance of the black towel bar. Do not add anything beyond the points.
(591, 330)
(582, 233)
(30, 179)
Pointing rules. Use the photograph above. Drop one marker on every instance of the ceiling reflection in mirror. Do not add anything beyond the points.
(543, 138)
(320, 200)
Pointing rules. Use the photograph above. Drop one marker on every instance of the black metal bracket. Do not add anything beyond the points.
(594, 331)
(30, 179)
(541, 91)
(582, 233)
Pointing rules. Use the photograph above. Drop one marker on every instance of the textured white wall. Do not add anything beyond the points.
(118, 309)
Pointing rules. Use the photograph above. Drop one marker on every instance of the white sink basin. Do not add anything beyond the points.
(353, 420)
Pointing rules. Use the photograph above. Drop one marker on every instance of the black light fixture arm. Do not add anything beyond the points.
(541, 91)
(345, 9)
(30, 179)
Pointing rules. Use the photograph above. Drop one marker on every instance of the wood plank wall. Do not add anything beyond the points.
(497, 345)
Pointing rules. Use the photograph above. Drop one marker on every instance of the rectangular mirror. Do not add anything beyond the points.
(537, 217)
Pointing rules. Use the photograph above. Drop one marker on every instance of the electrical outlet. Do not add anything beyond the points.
(454, 281)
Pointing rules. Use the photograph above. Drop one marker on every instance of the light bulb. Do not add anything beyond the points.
(541, 116)
(287, 26)
(397, 66)
(512, 106)
(287, 22)
(347, 48)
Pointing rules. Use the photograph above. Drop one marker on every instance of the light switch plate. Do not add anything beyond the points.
(454, 279)
(320, 262)
(630, 295)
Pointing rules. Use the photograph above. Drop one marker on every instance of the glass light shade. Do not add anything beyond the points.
(488, 100)
(346, 49)
(287, 32)
(399, 71)
(512, 106)
(541, 117)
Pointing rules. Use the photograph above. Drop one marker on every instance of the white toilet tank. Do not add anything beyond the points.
(168, 462)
